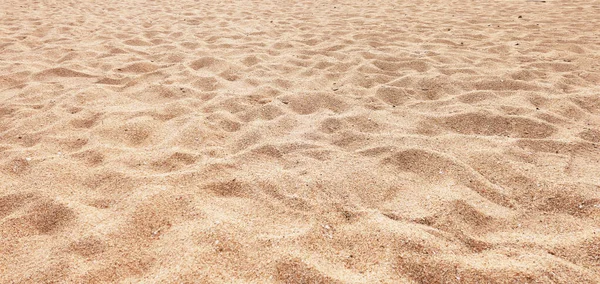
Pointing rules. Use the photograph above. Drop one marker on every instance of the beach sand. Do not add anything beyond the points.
(300, 141)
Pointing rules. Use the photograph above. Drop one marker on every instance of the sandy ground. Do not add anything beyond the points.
(300, 141)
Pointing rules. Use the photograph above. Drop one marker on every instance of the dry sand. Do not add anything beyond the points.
(300, 141)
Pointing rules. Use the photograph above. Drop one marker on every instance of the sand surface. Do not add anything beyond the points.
(300, 141)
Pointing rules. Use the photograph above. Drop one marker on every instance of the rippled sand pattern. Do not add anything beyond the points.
(300, 141)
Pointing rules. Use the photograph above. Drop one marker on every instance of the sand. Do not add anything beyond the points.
(300, 141)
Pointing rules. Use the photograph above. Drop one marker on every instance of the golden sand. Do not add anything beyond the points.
(300, 141)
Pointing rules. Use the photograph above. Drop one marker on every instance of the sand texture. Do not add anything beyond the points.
(373, 141)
